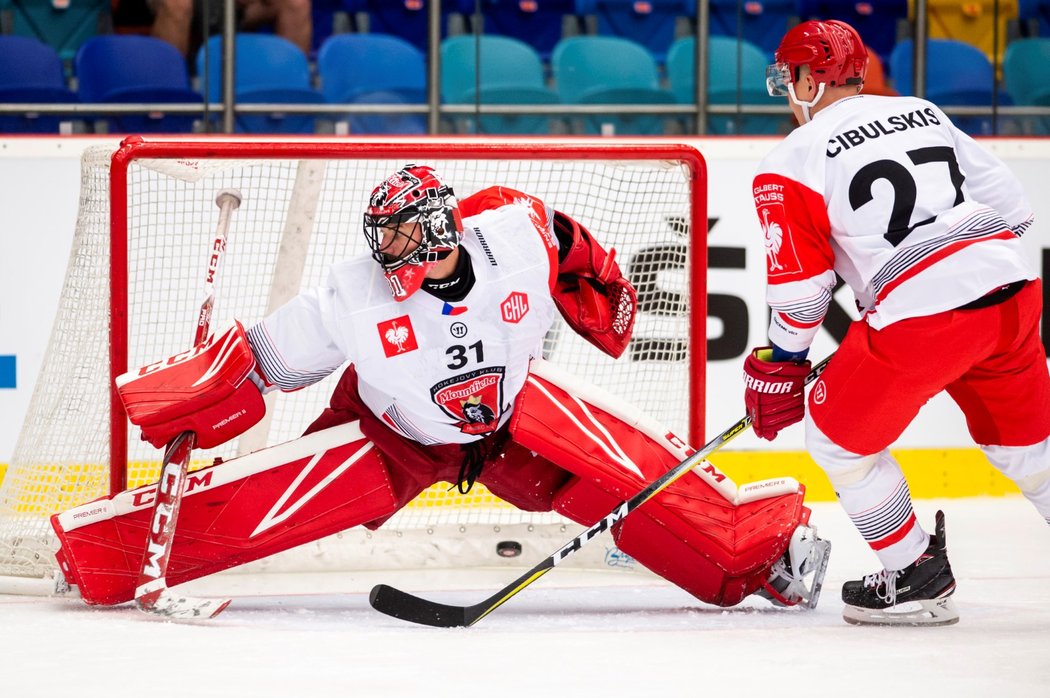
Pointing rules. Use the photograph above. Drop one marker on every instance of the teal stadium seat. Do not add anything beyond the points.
(31, 73)
(374, 69)
(609, 70)
(736, 75)
(269, 70)
(957, 74)
(1024, 72)
(128, 69)
(511, 73)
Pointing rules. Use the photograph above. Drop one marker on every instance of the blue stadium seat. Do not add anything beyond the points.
(539, 23)
(1034, 16)
(511, 73)
(31, 73)
(269, 70)
(736, 74)
(374, 69)
(957, 74)
(128, 69)
(1024, 72)
(651, 23)
(609, 70)
(408, 19)
(762, 23)
(62, 25)
(877, 21)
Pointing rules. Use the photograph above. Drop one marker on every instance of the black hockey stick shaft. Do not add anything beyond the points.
(400, 604)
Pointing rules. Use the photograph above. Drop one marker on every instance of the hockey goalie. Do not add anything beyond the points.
(440, 331)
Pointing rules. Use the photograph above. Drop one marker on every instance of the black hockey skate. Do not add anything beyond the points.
(919, 594)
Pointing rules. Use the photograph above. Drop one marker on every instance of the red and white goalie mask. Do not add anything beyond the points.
(412, 222)
(833, 50)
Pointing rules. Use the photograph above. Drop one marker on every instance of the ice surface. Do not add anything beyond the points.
(571, 634)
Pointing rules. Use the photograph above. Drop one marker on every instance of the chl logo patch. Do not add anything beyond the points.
(514, 307)
(397, 336)
(473, 399)
(781, 257)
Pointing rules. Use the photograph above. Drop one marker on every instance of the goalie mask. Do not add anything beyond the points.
(834, 52)
(412, 222)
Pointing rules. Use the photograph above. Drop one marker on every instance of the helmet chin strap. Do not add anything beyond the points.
(806, 105)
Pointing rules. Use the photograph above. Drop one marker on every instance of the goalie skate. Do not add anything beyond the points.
(798, 576)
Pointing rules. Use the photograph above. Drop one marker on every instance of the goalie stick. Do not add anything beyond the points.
(151, 593)
(400, 604)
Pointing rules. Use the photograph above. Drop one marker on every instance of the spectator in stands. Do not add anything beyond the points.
(179, 22)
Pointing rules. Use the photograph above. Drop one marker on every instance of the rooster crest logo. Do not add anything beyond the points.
(774, 235)
(397, 335)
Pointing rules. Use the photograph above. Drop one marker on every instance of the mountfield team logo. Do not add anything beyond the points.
(397, 336)
(473, 399)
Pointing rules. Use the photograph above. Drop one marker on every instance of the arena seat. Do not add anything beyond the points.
(31, 73)
(957, 74)
(374, 69)
(511, 73)
(653, 24)
(128, 69)
(609, 70)
(269, 70)
(736, 75)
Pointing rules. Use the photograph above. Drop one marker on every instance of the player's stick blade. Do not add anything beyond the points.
(404, 606)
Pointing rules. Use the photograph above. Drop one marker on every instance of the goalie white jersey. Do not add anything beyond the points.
(434, 372)
(886, 192)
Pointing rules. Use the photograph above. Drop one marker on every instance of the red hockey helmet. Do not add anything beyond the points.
(413, 194)
(833, 50)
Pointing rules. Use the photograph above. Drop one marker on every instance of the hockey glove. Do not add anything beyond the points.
(591, 292)
(205, 390)
(774, 392)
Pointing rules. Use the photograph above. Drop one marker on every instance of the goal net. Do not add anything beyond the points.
(134, 285)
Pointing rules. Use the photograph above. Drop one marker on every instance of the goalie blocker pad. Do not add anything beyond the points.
(714, 539)
(204, 390)
(232, 513)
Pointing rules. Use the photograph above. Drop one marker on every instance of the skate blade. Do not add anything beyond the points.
(927, 612)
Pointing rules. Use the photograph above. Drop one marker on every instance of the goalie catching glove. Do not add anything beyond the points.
(591, 292)
(205, 390)
(774, 392)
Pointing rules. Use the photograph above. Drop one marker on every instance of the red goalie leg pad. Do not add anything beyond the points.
(234, 512)
(702, 533)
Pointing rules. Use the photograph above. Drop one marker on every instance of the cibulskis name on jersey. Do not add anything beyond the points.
(849, 210)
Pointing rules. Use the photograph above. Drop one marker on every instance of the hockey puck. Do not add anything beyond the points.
(508, 548)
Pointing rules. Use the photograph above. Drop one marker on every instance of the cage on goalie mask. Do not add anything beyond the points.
(833, 50)
(415, 194)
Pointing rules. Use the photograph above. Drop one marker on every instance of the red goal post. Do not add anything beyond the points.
(146, 219)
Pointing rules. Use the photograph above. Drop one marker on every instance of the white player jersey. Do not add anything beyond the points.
(908, 210)
(433, 371)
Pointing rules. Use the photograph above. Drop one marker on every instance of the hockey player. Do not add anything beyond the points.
(925, 227)
(442, 327)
